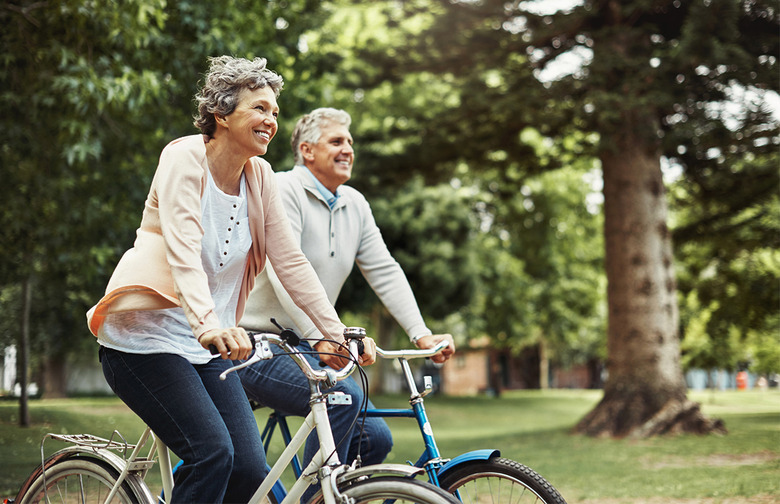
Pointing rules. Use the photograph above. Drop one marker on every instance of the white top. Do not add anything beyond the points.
(226, 242)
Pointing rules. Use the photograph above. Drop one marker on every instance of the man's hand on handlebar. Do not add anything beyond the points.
(430, 341)
(233, 341)
(328, 347)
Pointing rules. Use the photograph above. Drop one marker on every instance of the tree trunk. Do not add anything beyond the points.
(54, 384)
(544, 365)
(645, 391)
(24, 354)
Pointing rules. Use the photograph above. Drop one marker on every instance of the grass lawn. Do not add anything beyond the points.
(531, 427)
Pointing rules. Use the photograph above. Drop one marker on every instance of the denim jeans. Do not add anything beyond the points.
(205, 421)
(280, 384)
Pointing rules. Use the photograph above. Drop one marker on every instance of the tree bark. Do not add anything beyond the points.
(23, 366)
(645, 391)
(54, 384)
(544, 365)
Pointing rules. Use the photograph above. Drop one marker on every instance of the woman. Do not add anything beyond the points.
(211, 217)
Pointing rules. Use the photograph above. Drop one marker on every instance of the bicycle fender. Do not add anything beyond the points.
(381, 469)
(463, 458)
(105, 456)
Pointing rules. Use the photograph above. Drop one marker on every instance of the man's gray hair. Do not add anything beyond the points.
(309, 127)
(225, 79)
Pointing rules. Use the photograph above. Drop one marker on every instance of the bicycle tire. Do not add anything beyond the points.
(81, 480)
(499, 481)
(393, 489)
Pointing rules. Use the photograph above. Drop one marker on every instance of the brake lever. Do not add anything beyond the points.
(262, 352)
(288, 335)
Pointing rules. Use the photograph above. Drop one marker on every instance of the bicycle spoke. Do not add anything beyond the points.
(500, 481)
(78, 481)
(81, 489)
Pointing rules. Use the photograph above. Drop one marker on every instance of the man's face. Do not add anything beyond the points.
(331, 158)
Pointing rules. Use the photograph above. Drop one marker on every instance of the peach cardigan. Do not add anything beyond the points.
(164, 269)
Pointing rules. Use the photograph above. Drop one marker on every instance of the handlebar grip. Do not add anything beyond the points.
(361, 348)
(214, 351)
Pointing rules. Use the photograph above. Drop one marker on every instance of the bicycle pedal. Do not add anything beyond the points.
(339, 398)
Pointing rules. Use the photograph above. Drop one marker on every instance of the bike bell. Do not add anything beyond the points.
(354, 333)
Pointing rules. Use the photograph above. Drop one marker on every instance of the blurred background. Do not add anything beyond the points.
(487, 135)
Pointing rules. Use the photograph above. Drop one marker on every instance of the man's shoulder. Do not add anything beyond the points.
(288, 180)
(352, 194)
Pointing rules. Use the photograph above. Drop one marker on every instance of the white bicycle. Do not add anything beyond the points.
(98, 470)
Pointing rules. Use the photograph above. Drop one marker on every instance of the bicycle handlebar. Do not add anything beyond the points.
(412, 354)
(328, 375)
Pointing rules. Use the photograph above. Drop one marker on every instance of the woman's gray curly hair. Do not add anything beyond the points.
(309, 128)
(226, 77)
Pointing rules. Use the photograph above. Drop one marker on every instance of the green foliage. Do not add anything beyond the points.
(703, 349)
(546, 281)
(453, 94)
(426, 110)
(428, 230)
(664, 75)
(91, 92)
(726, 209)
(763, 351)
(727, 227)
(67, 79)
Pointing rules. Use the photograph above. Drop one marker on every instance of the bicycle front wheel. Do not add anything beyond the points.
(393, 489)
(499, 481)
(82, 481)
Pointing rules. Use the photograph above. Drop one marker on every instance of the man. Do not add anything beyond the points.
(336, 230)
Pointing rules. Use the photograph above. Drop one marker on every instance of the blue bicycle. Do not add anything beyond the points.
(480, 476)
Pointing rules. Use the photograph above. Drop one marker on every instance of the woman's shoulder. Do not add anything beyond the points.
(261, 164)
(260, 171)
(194, 143)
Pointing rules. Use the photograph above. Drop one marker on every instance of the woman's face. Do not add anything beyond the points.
(253, 124)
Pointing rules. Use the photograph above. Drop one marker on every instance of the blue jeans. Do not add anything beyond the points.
(205, 421)
(280, 384)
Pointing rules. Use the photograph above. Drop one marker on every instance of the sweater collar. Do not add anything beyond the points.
(318, 188)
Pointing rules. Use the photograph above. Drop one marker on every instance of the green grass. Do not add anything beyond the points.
(532, 427)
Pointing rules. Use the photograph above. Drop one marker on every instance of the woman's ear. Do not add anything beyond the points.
(221, 120)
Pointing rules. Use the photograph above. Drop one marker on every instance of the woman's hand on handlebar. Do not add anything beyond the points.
(328, 347)
(233, 341)
(431, 340)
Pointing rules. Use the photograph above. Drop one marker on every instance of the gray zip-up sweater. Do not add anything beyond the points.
(333, 240)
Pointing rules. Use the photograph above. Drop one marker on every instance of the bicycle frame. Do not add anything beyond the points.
(324, 468)
(325, 457)
(430, 460)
